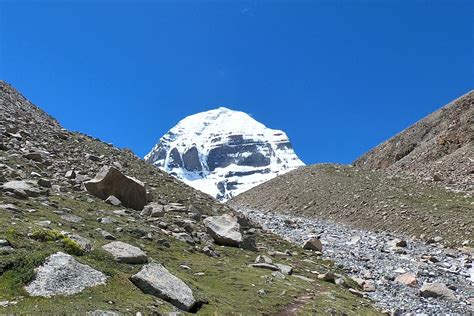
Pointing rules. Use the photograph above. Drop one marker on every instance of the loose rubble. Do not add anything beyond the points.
(413, 277)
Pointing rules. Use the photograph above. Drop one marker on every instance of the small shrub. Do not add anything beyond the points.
(72, 247)
(47, 235)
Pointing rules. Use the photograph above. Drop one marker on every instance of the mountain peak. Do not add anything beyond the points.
(223, 152)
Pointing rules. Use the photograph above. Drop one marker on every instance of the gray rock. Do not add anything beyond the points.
(156, 280)
(285, 269)
(112, 200)
(313, 244)
(267, 266)
(153, 209)
(210, 252)
(21, 188)
(105, 234)
(102, 313)
(437, 290)
(224, 230)
(126, 253)
(71, 174)
(71, 218)
(83, 242)
(45, 183)
(61, 274)
(110, 181)
(263, 259)
(184, 237)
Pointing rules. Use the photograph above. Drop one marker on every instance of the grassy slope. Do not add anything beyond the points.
(228, 283)
(367, 199)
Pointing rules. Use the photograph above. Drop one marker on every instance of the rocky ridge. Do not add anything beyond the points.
(437, 149)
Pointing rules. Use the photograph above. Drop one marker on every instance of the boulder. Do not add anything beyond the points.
(210, 252)
(156, 280)
(407, 279)
(398, 243)
(35, 156)
(153, 209)
(61, 274)
(21, 188)
(263, 259)
(285, 269)
(313, 244)
(70, 174)
(110, 181)
(45, 183)
(125, 253)
(224, 230)
(437, 290)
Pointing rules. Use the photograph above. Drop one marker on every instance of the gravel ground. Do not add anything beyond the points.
(372, 257)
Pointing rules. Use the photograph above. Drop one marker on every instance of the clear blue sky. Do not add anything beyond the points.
(338, 76)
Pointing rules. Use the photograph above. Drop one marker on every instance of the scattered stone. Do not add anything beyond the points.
(61, 274)
(156, 280)
(125, 253)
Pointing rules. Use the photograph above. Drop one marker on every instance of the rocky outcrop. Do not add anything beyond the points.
(61, 274)
(437, 148)
(223, 152)
(156, 280)
(111, 182)
(225, 230)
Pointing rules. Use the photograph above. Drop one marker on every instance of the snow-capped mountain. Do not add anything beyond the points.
(223, 152)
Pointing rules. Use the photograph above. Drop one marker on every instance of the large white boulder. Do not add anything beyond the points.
(225, 230)
(61, 274)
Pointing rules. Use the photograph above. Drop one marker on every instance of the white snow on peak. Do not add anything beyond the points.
(234, 152)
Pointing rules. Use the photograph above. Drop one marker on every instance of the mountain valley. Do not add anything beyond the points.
(88, 228)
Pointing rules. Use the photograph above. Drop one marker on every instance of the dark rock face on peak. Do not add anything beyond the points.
(438, 148)
(223, 152)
